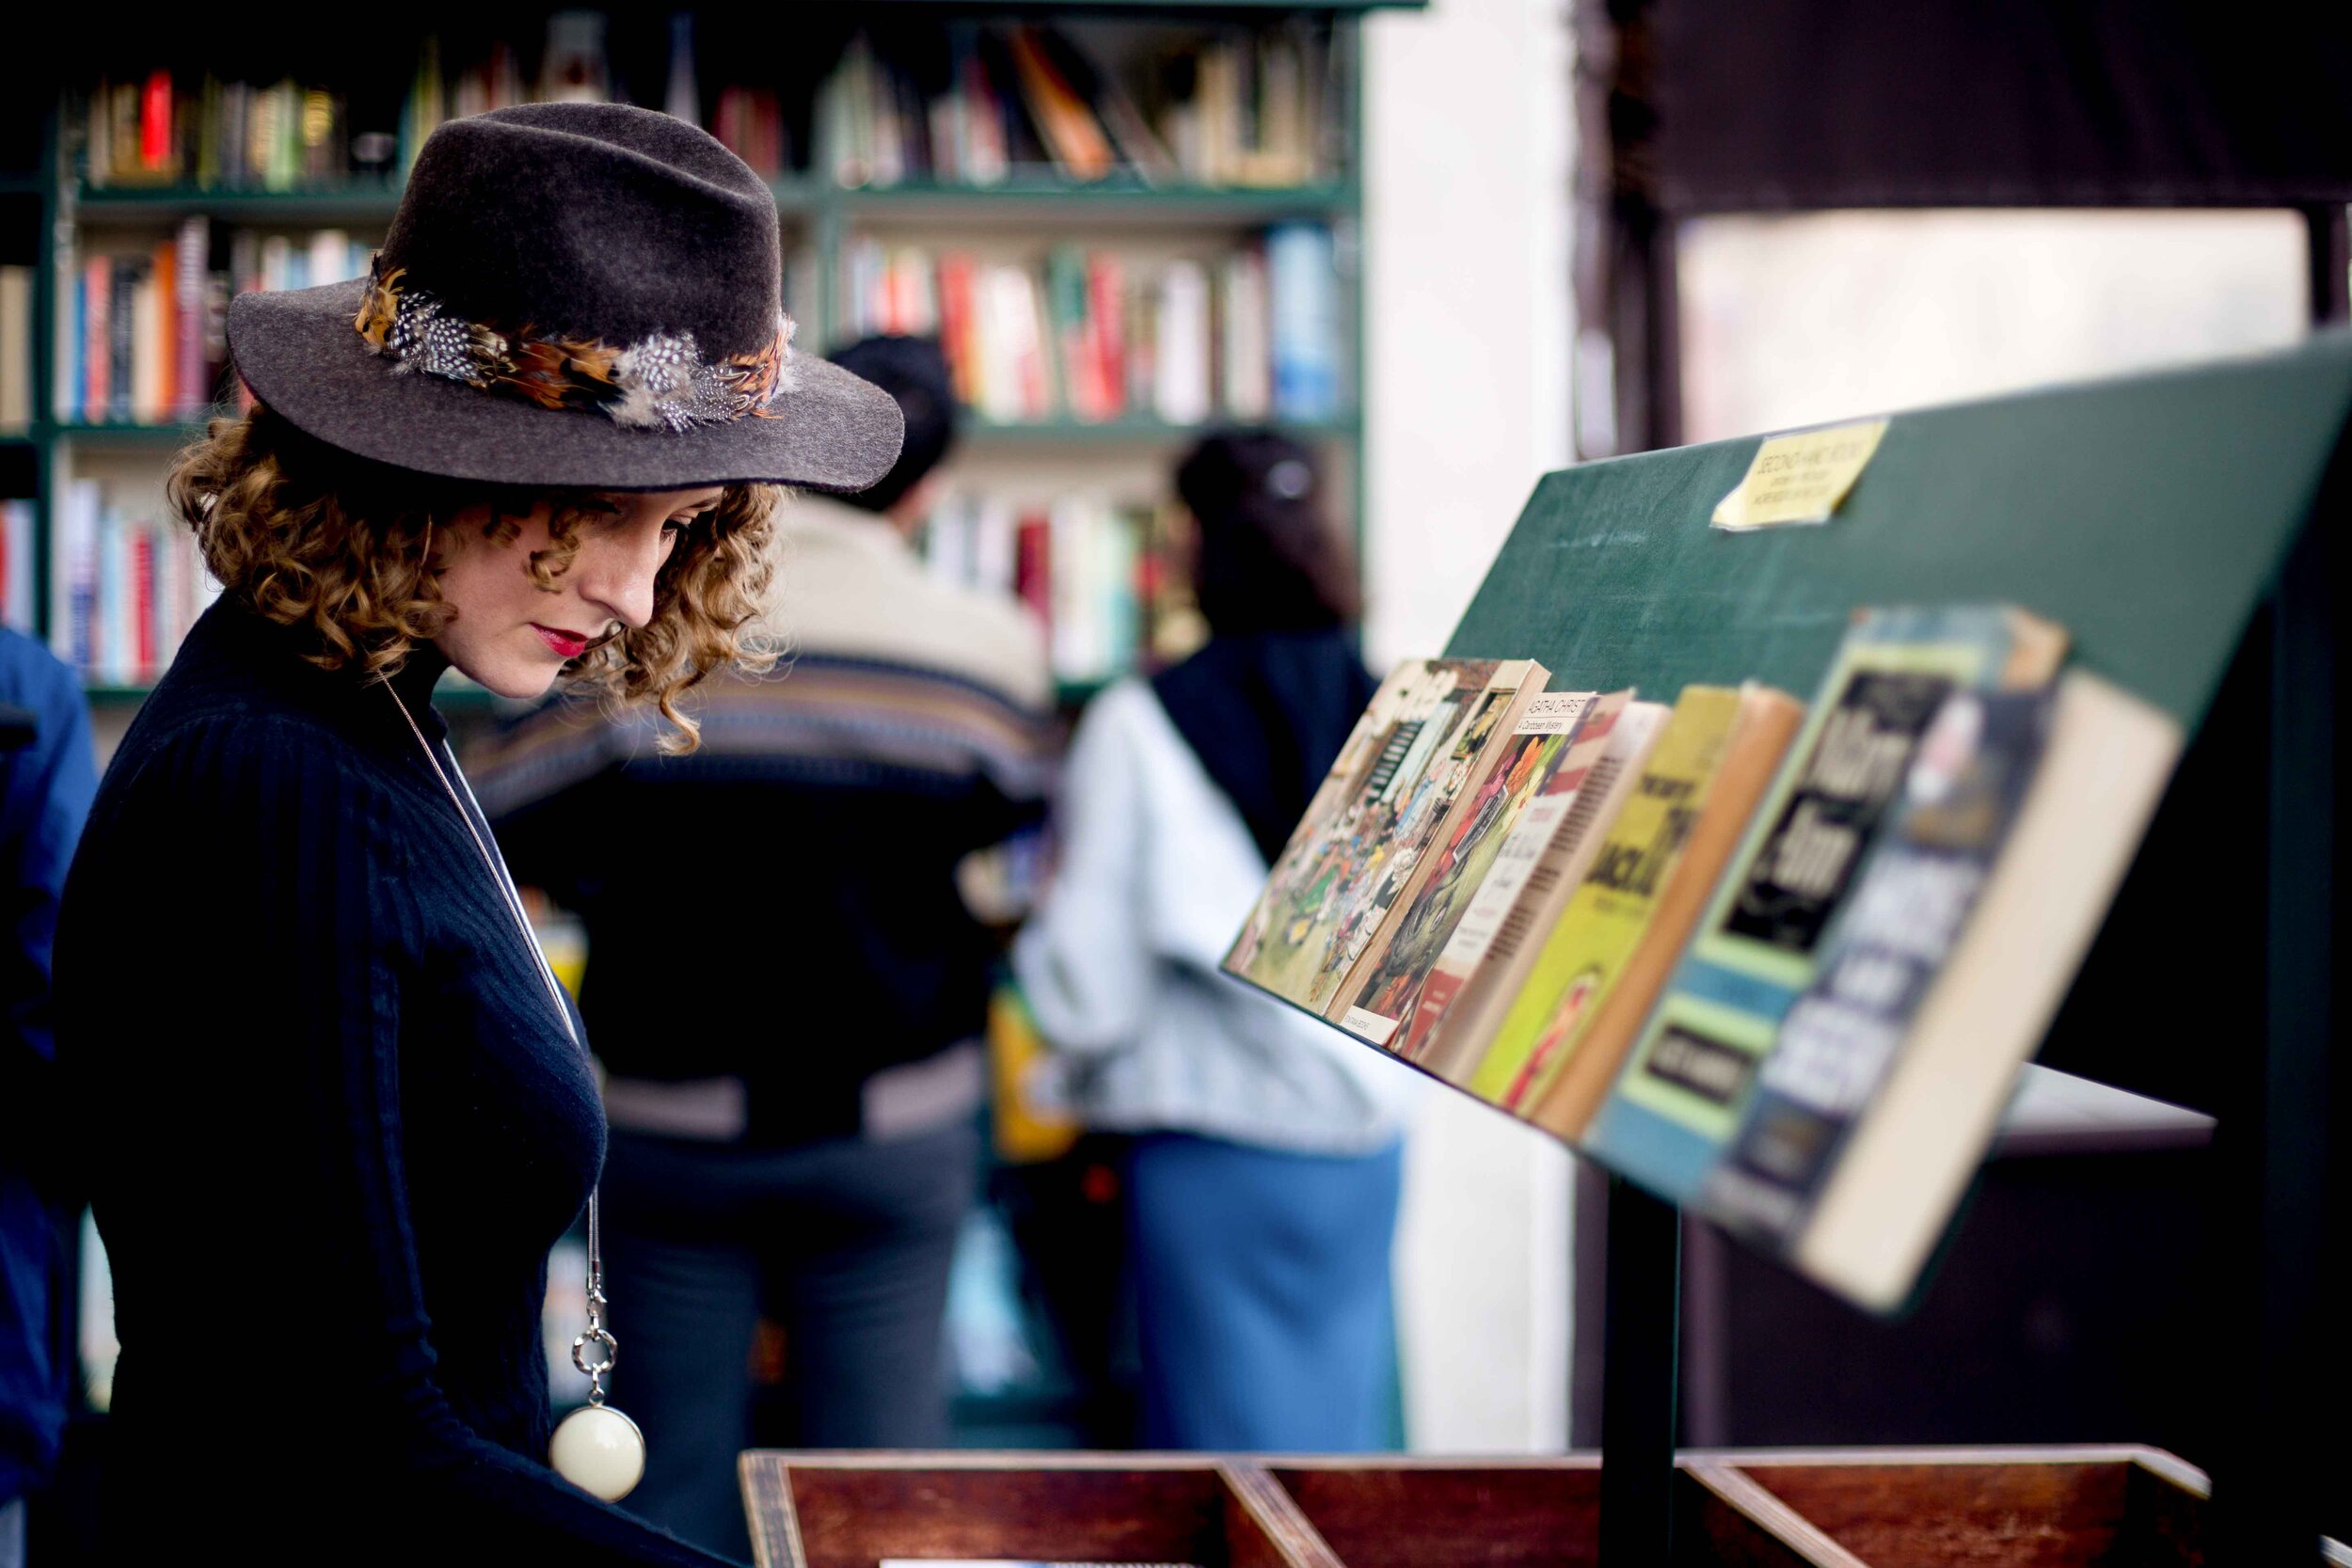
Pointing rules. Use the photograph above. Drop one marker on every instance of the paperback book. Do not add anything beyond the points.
(1687, 1080)
(1609, 917)
(1392, 976)
(1408, 755)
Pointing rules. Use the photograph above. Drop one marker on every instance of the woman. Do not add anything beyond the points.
(1261, 1188)
(335, 1109)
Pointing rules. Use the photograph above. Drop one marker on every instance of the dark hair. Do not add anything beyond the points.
(1268, 559)
(915, 372)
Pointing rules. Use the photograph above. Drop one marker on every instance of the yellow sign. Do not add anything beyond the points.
(1799, 478)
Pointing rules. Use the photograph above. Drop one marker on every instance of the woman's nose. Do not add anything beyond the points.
(617, 572)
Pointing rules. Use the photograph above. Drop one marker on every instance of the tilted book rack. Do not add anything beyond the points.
(2179, 526)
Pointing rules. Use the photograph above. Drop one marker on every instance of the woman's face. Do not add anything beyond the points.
(514, 636)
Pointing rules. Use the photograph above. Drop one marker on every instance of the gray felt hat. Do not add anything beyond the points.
(573, 294)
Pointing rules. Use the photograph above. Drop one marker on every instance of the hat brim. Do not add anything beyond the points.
(299, 353)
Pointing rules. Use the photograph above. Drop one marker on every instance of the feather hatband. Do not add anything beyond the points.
(655, 383)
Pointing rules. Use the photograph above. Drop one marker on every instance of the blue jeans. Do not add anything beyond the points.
(1263, 1311)
(846, 1244)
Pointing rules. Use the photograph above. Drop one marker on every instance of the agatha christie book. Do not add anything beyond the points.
(1687, 1080)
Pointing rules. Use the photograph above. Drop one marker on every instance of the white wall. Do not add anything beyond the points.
(1468, 128)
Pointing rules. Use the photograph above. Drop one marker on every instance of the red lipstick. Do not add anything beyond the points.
(566, 643)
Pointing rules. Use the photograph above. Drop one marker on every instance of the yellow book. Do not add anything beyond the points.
(1609, 910)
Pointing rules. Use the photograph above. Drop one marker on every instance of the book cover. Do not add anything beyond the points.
(1882, 952)
(2105, 763)
(1610, 908)
(1408, 856)
(1487, 959)
(1373, 1006)
(1687, 1080)
(1285, 945)
(1607, 1022)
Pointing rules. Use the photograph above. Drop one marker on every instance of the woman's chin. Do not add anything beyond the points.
(519, 682)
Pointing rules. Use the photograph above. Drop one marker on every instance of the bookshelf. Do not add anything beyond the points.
(802, 108)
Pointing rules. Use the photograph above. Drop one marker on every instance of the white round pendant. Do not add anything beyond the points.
(599, 1450)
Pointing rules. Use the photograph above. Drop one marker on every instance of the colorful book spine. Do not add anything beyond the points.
(190, 390)
(18, 576)
(98, 285)
(1303, 320)
(1687, 1082)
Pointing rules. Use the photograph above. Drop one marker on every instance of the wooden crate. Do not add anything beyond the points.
(851, 1509)
(2020, 1507)
(1852, 1508)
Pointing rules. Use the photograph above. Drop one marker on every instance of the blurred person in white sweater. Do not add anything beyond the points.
(1264, 1159)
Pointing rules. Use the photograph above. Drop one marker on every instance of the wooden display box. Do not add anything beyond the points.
(1853, 1508)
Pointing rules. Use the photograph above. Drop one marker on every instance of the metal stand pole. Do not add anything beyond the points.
(2269, 1478)
(1637, 1412)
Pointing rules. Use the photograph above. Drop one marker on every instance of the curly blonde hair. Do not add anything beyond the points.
(314, 538)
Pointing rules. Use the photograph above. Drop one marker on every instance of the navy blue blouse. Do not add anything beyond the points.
(332, 1124)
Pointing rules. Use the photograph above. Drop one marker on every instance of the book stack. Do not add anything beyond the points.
(1093, 336)
(124, 588)
(976, 105)
(1097, 575)
(140, 332)
(162, 130)
(1781, 966)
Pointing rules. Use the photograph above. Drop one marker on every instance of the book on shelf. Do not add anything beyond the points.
(973, 104)
(1093, 573)
(1841, 930)
(1094, 335)
(140, 332)
(162, 129)
(16, 348)
(952, 103)
(124, 588)
(19, 577)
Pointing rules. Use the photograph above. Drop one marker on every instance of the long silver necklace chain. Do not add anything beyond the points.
(606, 1348)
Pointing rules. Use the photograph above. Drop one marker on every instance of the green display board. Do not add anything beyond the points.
(2146, 515)
(2151, 517)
